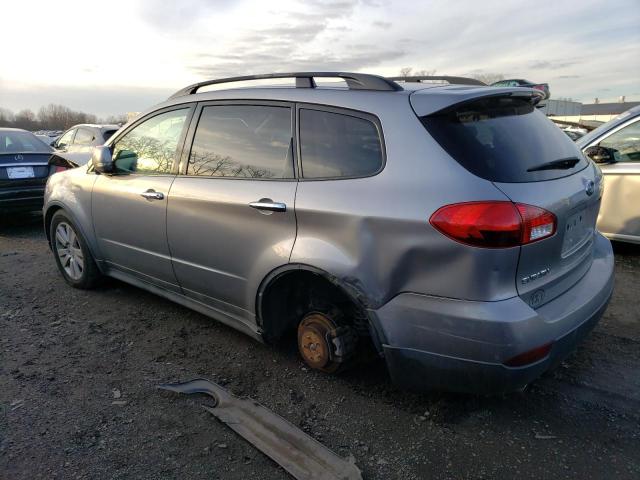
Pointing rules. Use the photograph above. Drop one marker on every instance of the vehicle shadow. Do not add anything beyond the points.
(21, 223)
(624, 248)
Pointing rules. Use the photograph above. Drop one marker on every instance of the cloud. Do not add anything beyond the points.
(265, 63)
(552, 65)
(156, 44)
(381, 24)
(101, 101)
(163, 14)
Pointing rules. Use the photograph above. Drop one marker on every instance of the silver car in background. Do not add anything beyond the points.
(76, 144)
(450, 228)
(615, 147)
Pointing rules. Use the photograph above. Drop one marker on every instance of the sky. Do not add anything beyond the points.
(117, 56)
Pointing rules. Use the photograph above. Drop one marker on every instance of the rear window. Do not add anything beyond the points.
(107, 134)
(18, 141)
(505, 139)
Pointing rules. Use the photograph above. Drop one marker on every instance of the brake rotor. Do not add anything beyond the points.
(315, 342)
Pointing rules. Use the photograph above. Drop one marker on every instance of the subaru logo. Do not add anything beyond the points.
(18, 158)
(590, 188)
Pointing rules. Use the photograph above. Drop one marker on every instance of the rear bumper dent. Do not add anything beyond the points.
(458, 345)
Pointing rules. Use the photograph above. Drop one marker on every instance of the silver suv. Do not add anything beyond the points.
(449, 228)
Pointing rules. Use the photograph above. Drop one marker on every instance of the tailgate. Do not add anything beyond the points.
(548, 268)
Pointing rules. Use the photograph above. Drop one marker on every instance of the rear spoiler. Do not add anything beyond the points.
(447, 78)
(437, 100)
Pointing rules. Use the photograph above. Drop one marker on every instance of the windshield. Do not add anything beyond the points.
(504, 139)
(20, 141)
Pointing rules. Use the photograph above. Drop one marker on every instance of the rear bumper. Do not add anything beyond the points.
(459, 345)
(21, 199)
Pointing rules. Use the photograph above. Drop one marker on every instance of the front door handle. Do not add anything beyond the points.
(152, 195)
(269, 205)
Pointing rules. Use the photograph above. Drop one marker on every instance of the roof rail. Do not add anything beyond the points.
(450, 79)
(355, 81)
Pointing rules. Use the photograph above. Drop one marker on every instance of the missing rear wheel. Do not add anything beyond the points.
(323, 344)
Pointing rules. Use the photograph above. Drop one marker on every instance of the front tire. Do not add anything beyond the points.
(72, 255)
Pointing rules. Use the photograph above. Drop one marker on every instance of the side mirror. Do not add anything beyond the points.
(101, 159)
(600, 154)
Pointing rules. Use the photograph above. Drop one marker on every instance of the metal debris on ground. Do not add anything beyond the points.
(295, 451)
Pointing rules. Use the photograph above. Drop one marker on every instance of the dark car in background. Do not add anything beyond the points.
(519, 82)
(24, 170)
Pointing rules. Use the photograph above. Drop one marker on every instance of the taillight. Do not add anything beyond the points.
(60, 169)
(531, 356)
(538, 87)
(495, 224)
(537, 223)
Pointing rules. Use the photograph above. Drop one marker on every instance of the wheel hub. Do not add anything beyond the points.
(69, 250)
(313, 346)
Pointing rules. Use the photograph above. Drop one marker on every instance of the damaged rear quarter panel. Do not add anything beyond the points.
(373, 234)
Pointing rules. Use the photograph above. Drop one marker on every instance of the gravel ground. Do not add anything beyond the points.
(79, 368)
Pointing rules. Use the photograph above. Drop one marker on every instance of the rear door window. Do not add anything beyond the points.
(107, 134)
(505, 139)
(83, 137)
(243, 141)
(337, 145)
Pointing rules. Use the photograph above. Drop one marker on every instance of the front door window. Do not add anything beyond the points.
(151, 147)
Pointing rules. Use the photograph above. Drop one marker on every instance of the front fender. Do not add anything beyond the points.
(71, 192)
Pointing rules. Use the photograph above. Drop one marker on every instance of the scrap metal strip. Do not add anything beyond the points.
(298, 453)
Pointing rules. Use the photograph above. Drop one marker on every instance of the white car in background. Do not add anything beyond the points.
(76, 144)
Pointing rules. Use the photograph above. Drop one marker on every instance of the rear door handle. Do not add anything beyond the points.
(268, 205)
(152, 195)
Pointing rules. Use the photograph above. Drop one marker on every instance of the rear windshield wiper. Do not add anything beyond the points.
(562, 164)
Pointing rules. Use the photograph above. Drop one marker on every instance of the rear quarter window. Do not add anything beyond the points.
(336, 145)
(504, 139)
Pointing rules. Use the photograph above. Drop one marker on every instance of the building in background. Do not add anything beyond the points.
(592, 114)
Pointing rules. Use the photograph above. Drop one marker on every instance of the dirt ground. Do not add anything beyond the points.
(78, 371)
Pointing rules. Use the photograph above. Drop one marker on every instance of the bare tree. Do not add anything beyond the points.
(51, 117)
(409, 72)
(115, 119)
(6, 117)
(488, 77)
(203, 162)
(25, 119)
(59, 117)
(406, 71)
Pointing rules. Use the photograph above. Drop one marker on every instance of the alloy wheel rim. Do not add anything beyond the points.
(69, 251)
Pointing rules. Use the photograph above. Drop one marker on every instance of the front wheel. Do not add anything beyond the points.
(72, 255)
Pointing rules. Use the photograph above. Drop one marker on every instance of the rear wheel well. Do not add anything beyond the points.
(291, 295)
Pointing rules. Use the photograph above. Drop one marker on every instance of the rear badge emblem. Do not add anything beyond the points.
(590, 188)
(536, 298)
(18, 158)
